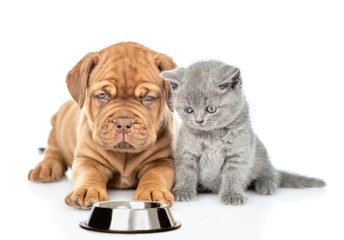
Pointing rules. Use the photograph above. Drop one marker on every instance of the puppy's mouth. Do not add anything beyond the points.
(123, 135)
(124, 141)
(124, 146)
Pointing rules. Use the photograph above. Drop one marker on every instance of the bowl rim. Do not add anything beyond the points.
(85, 226)
(98, 204)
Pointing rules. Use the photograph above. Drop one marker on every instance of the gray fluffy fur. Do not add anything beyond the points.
(219, 151)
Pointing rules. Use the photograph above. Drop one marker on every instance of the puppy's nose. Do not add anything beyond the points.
(123, 125)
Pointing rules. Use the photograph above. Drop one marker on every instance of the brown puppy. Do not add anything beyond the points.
(121, 137)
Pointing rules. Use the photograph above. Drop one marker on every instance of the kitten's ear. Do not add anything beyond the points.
(174, 77)
(229, 77)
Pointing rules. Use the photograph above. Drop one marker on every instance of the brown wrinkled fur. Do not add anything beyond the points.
(84, 135)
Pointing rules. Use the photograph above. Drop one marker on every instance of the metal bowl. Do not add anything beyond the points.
(130, 217)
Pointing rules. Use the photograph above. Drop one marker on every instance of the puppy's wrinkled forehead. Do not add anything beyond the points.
(127, 74)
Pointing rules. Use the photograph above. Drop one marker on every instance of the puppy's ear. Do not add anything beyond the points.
(164, 62)
(174, 77)
(77, 78)
(168, 95)
(229, 77)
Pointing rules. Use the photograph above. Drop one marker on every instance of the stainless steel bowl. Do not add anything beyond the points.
(130, 217)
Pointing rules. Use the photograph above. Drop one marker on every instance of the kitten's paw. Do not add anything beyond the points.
(265, 186)
(183, 195)
(234, 198)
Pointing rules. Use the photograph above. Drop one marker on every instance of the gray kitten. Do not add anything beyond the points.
(217, 149)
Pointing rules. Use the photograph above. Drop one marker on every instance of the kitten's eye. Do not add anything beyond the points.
(188, 110)
(211, 109)
(149, 98)
(101, 96)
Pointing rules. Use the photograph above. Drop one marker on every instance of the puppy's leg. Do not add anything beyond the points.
(53, 166)
(89, 180)
(156, 183)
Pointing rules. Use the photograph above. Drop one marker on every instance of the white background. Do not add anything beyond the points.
(291, 55)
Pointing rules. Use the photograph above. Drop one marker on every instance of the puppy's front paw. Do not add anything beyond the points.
(234, 198)
(154, 194)
(85, 197)
(48, 170)
(183, 195)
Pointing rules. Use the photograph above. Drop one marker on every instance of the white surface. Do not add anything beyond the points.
(291, 58)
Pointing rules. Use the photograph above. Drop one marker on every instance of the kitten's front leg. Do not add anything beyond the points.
(232, 190)
(185, 185)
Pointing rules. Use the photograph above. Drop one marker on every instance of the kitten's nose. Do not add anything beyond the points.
(199, 121)
(123, 125)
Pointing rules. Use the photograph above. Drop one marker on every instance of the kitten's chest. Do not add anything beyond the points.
(210, 164)
(211, 155)
(213, 149)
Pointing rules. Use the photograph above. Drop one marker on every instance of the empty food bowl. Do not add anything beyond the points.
(130, 217)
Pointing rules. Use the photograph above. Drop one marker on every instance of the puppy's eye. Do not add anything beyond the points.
(101, 96)
(188, 110)
(149, 98)
(211, 109)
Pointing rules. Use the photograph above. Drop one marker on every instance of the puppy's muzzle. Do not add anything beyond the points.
(123, 125)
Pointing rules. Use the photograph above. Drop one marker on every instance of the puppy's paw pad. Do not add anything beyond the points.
(155, 195)
(85, 197)
(234, 199)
